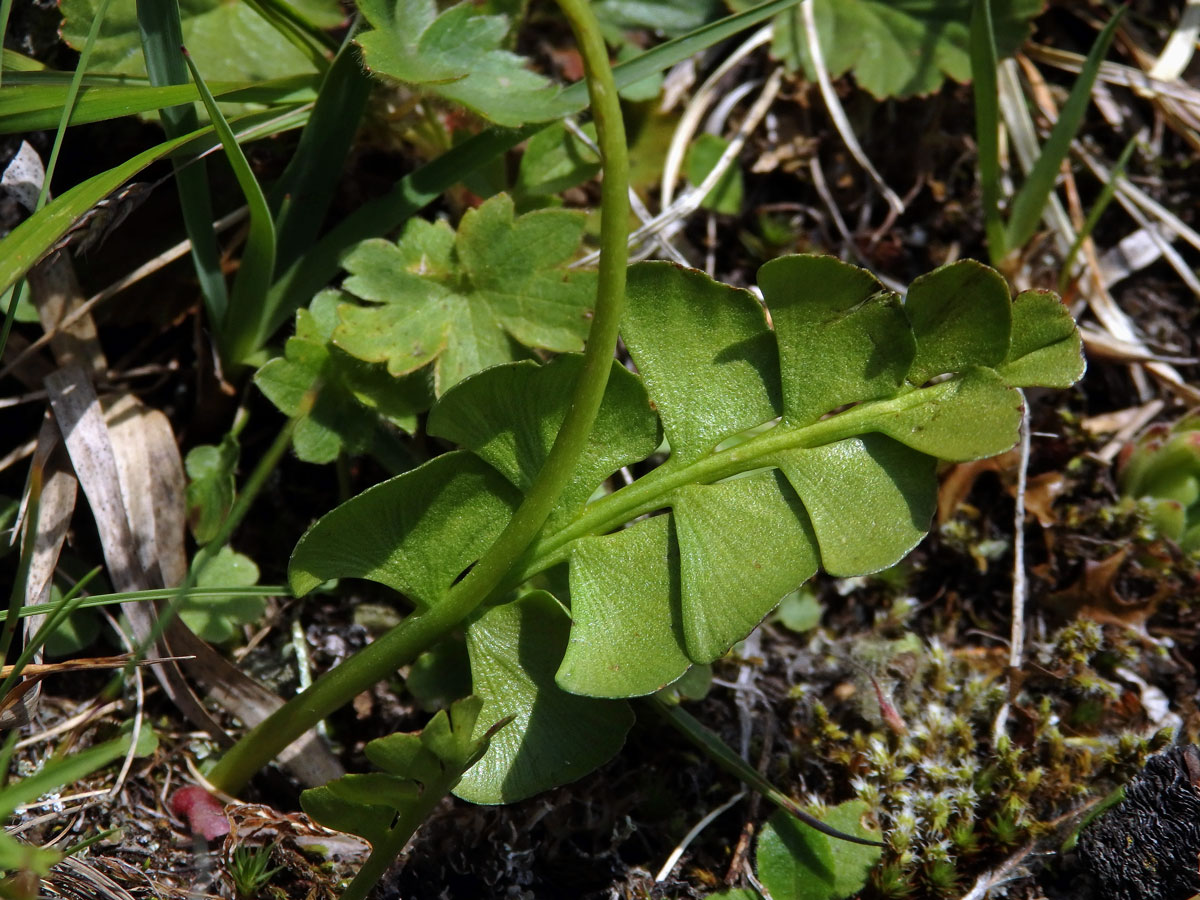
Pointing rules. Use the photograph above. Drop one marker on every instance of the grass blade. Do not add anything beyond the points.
(34, 101)
(162, 38)
(5, 12)
(987, 125)
(1107, 192)
(320, 155)
(33, 238)
(1031, 199)
(255, 590)
(242, 327)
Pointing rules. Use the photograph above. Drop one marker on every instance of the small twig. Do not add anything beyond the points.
(1145, 415)
(635, 201)
(822, 187)
(682, 846)
(836, 113)
(140, 689)
(689, 122)
(989, 880)
(691, 200)
(1016, 644)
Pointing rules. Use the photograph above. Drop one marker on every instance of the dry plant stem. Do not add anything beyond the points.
(989, 880)
(690, 201)
(689, 122)
(418, 632)
(836, 113)
(681, 847)
(1016, 644)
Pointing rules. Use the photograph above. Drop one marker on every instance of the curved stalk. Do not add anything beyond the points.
(420, 631)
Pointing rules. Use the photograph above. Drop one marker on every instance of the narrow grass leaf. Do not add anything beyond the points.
(987, 125)
(161, 33)
(1031, 199)
(243, 328)
(1108, 190)
(318, 161)
(26, 244)
(36, 101)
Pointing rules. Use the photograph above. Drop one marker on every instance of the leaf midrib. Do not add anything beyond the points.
(650, 492)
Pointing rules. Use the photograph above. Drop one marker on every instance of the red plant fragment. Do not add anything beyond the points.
(204, 813)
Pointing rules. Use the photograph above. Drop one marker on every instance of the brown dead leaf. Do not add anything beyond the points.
(1095, 596)
(1040, 493)
(958, 480)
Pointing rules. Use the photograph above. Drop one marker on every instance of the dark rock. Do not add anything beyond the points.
(1147, 846)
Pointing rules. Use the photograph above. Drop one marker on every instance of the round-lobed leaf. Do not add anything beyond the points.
(968, 417)
(626, 619)
(1046, 348)
(796, 862)
(554, 737)
(510, 415)
(842, 337)
(870, 500)
(961, 316)
(743, 545)
(415, 533)
(705, 351)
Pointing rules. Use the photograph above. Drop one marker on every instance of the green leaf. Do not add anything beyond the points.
(555, 737)
(796, 862)
(726, 196)
(16, 855)
(510, 416)
(1046, 347)
(673, 568)
(626, 621)
(425, 184)
(58, 771)
(456, 55)
(210, 469)
(554, 161)
(935, 425)
(800, 611)
(230, 41)
(705, 352)
(354, 398)
(870, 500)
(1030, 200)
(440, 675)
(961, 316)
(743, 544)
(418, 770)
(669, 17)
(896, 48)
(215, 618)
(35, 101)
(842, 337)
(415, 533)
(462, 300)
(243, 323)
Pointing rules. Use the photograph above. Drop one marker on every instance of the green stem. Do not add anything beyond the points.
(650, 492)
(717, 750)
(419, 631)
(385, 853)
